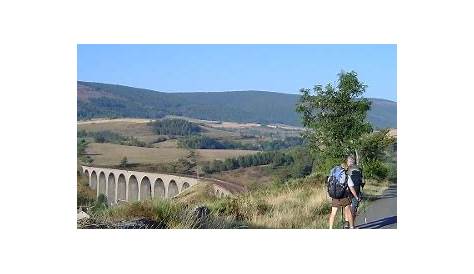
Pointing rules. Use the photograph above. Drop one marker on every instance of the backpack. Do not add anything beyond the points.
(337, 183)
(356, 176)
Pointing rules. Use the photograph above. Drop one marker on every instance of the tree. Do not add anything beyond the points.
(335, 117)
(372, 149)
(184, 166)
(124, 162)
(373, 146)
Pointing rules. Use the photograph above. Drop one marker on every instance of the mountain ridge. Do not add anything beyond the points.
(98, 100)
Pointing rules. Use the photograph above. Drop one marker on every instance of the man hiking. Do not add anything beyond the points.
(342, 190)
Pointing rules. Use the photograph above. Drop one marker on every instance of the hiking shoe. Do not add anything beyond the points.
(346, 225)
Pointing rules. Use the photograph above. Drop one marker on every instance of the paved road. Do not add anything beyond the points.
(381, 213)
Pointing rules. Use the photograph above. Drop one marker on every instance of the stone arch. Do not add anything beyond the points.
(145, 189)
(86, 173)
(102, 183)
(111, 188)
(132, 189)
(185, 186)
(159, 189)
(121, 188)
(172, 189)
(93, 180)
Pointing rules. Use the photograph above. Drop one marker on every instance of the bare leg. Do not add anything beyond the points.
(332, 216)
(348, 212)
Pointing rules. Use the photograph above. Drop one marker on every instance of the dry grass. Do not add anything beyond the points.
(301, 207)
(234, 125)
(172, 143)
(374, 188)
(140, 129)
(111, 154)
(257, 175)
(301, 203)
(229, 131)
(126, 127)
(107, 121)
(221, 154)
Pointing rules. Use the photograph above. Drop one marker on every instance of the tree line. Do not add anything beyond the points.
(205, 142)
(173, 127)
(275, 158)
(294, 163)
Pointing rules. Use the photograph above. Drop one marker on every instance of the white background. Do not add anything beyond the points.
(38, 122)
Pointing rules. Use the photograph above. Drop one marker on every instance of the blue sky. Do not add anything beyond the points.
(280, 68)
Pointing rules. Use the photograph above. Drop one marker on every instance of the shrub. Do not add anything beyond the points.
(85, 195)
(226, 206)
(375, 170)
(123, 162)
(100, 204)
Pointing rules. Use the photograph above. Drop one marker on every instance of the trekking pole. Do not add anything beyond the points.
(343, 221)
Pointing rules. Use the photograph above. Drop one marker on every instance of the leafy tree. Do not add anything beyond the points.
(372, 149)
(124, 162)
(231, 164)
(184, 166)
(373, 146)
(335, 117)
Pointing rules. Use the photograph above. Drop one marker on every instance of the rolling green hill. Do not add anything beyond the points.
(96, 100)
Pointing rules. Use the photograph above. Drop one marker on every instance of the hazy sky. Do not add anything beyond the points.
(280, 68)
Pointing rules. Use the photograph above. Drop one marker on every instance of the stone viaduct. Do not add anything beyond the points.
(125, 185)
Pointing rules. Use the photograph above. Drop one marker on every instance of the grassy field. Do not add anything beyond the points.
(111, 154)
(107, 154)
(137, 128)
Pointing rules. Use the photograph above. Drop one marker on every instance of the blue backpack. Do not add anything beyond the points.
(337, 183)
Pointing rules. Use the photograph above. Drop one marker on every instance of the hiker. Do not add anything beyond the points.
(337, 190)
(355, 184)
(341, 190)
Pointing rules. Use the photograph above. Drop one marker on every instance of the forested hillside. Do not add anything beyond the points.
(104, 100)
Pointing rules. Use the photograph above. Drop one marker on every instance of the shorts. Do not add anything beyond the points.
(341, 202)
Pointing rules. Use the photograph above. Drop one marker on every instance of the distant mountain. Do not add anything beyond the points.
(104, 100)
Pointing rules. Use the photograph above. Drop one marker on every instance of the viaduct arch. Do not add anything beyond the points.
(126, 185)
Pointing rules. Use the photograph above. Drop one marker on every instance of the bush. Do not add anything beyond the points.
(226, 206)
(375, 170)
(85, 195)
(100, 204)
(123, 162)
